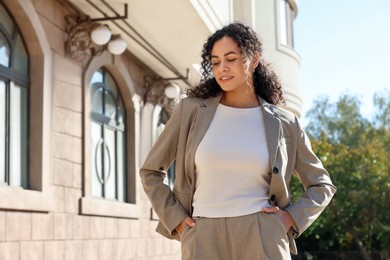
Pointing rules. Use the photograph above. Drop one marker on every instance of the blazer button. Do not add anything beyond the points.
(273, 197)
(275, 170)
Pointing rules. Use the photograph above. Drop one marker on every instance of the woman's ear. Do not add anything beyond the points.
(256, 59)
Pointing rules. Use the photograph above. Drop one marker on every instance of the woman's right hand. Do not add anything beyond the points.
(186, 222)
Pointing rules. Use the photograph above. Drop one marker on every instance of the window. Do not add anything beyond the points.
(14, 93)
(160, 118)
(107, 139)
(110, 131)
(286, 19)
(25, 105)
(163, 117)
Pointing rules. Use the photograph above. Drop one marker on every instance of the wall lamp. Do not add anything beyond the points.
(87, 37)
(159, 92)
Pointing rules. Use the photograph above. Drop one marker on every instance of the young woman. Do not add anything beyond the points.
(235, 154)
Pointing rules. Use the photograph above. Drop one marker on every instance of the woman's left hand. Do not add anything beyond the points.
(283, 215)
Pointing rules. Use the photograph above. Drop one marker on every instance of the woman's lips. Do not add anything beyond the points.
(225, 78)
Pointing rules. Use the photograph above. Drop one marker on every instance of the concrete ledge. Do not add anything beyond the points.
(26, 200)
(102, 207)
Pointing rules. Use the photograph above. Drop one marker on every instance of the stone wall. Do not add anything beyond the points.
(63, 232)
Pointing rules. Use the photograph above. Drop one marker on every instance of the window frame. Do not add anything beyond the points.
(157, 128)
(289, 50)
(37, 197)
(90, 205)
(9, 75)
(152, 115)
(286, 16)
(105, 124)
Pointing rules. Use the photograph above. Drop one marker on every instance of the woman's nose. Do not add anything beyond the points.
(223, 67)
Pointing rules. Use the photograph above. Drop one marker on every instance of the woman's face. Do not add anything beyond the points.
(231, 70)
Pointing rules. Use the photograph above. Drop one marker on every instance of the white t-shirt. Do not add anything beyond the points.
(232, 165)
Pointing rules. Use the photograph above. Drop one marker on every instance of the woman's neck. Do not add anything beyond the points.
(241, 100)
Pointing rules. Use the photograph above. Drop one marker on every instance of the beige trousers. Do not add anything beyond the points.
(255, 236)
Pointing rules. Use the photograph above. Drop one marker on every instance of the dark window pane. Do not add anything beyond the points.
(171, 175)
(4, 51)
(20, 59)
(121, 114)
(110, 105)
(97, 101)
(110, 83)
(13, 105)
(6, 21)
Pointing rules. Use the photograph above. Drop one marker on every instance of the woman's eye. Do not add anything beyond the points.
(228, 60)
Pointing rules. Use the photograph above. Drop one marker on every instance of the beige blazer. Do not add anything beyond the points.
(289, 152)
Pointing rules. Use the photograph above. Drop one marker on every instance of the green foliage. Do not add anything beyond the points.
(356, 152)
(382, 115)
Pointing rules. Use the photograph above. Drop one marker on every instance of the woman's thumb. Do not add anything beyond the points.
(190, 222)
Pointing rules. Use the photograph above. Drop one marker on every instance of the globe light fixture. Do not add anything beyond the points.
(172, 91)
(117, 45)
(87, 37)
(101, 34)
(163, 91)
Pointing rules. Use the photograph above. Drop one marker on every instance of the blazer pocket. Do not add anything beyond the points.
(182, 233)
(279, 223)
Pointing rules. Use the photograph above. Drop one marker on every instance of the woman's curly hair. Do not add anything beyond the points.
(265, 81)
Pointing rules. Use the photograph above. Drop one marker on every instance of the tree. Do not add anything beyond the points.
(356, 152)
(382, 113)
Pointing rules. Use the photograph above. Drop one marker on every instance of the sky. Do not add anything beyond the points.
(344, 46)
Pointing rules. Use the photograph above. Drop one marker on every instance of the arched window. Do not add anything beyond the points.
(14, 96)
(108, 138)
(286, 17)
(159, 119)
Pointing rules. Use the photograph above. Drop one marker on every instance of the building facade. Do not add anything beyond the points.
(76, 121)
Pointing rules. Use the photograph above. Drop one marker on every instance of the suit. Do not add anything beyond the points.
(289, 152)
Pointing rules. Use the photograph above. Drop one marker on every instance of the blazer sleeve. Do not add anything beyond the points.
(152, 173)
(319, 188)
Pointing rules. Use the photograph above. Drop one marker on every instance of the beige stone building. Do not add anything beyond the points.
(76, 120)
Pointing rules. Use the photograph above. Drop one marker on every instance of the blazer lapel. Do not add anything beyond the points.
(202, 122)
(204, 118)
(272, 130)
